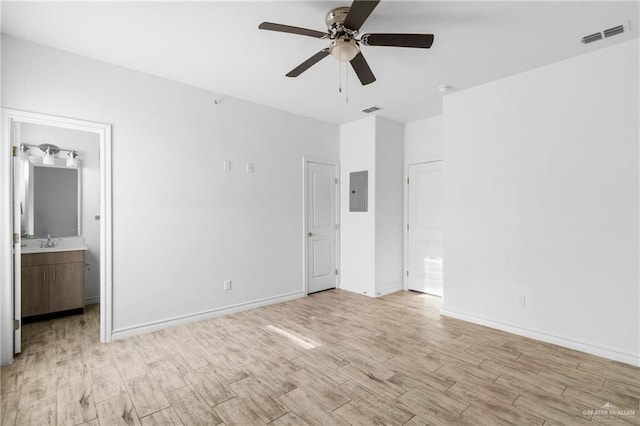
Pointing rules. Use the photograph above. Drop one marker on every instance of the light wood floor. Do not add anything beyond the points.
(331, 358)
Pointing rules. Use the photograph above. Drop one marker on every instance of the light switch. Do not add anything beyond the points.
(249, 167)
(226, 165)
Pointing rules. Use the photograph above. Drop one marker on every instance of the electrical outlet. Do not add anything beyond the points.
(227, 285)
(226, 165)
(522, 301)
(249, 167)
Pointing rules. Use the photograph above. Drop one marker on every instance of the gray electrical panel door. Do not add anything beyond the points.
(358, 188)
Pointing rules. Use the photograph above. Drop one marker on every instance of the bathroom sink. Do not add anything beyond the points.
(28, 250)
(32, 245)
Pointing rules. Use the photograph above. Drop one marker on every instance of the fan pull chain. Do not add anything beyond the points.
(340, 77)
(346, 77)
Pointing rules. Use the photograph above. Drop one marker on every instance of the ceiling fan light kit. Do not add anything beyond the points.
(344, 50)
(343, 26)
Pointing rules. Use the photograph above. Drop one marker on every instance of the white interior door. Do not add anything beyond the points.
(321, 219)
(16, 203)
(425, 220)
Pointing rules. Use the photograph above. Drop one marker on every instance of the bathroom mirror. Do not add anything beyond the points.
(51, 201)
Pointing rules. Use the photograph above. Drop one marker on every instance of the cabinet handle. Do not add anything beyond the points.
(44, 277)
(54, 276)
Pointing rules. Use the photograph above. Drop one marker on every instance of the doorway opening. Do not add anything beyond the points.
(59, 221)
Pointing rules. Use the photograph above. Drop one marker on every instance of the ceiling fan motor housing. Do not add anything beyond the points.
(343, 46)
(335, 19)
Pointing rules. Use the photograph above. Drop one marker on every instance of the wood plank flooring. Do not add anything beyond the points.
(334, 358)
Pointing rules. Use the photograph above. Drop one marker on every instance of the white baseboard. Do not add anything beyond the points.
(92, 300)
(379, 293)
(198, 316)
(389, 290)
(352, 289)
(600, 351)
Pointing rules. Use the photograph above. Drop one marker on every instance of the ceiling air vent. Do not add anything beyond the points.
(618, 29)
(591, 38)
(371, 109)
(614, 31)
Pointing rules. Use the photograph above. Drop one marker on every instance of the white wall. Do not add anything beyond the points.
(423, 140)
(357, 229)
(541, 195)
(371, 242)
(388, 217)
(87, 144)
(182, 225)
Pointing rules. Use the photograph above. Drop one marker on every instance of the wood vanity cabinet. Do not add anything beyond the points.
(52, 282)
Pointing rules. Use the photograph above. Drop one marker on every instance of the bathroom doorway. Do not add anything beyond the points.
(60, 222)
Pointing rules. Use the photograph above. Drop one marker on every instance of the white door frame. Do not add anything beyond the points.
(10, 116)
(336, 166)
(405, 196)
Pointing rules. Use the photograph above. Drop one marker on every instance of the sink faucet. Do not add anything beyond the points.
(49, 243)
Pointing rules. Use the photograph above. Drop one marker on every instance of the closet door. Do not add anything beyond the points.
(424, 234)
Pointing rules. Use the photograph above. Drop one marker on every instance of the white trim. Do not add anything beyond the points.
(106, 254)
(357, 290)
(336, 166)
(405, 216)
(378, 293)
(6, 254)
(198, 316)
(16, 135)
(10, 116)
(389, 290)
(601, 351)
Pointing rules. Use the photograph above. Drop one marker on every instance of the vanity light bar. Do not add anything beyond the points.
(50, 152)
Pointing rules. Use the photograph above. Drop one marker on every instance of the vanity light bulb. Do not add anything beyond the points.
(24, 153)
(48, 159)
(72, 160)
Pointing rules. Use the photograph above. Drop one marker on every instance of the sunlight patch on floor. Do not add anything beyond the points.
(303, 342)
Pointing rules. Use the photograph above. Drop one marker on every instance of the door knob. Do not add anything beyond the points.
(311, 234)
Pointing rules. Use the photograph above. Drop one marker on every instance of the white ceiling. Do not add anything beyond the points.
(217, 46)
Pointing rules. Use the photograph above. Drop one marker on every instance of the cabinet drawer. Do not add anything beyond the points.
(38, 259)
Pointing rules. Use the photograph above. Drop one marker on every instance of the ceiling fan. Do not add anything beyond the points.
(343, 25)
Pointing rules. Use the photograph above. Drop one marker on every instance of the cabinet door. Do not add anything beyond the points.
(67, 286)
(35, 290)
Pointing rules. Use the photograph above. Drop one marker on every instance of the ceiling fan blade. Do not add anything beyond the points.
(359, 12)
(292, 30)
(423, 41)
(361, 67)
(308, 63)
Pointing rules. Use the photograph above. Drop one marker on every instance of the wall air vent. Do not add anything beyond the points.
(618, 29)
(371, 109)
